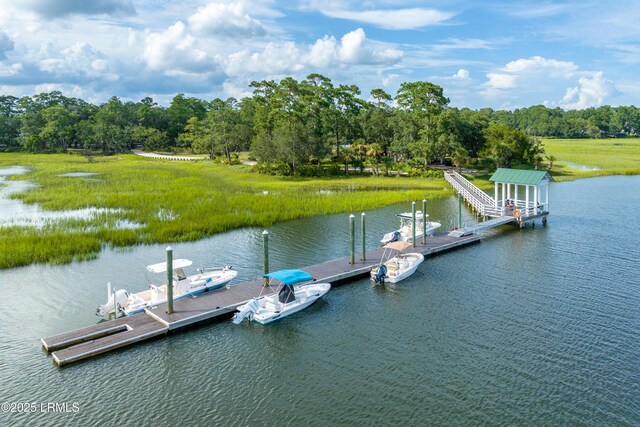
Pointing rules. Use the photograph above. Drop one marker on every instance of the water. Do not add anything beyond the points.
(531, 327)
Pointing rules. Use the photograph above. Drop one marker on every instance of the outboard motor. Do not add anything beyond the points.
(380, 274)
(395, 236)
(250, 308)
(122, 297)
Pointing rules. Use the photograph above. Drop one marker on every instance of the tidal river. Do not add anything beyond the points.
(539, 326)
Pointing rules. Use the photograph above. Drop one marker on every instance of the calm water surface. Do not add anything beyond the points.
(531, 327)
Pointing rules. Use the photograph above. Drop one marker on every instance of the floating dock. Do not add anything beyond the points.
(106, 336)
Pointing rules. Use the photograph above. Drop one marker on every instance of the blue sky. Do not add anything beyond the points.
(499, 54)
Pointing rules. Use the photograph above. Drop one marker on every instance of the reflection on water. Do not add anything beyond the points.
(538, 326)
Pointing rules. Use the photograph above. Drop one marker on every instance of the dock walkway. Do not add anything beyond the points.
(93, 340)
(475, 228)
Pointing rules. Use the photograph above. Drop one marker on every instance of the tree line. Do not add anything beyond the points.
(291, 124)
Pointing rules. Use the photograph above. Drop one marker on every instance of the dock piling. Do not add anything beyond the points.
(424, 221)
(115, 302)
(459, 210)
(362, 229)
(413, 224)
(169, 282)
(265, 255)
(352, 236)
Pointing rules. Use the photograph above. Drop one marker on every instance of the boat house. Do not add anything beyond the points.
(512, 184)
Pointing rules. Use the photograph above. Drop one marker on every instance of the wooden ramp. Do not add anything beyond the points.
(109, 335)
(472, 229)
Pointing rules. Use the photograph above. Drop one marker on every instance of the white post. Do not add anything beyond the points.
(508, 191)
(535, 199)
(495, 194)
(516, 186)
(503, 193)
(527, 197)
(546, 197)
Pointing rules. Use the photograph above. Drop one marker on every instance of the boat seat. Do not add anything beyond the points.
(270, 306)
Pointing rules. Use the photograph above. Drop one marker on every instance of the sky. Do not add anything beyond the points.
(485, 53)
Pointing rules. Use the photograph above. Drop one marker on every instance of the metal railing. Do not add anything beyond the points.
(481, 195)
(478, 199)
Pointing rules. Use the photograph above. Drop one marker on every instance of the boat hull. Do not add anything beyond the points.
(270, 310)
(396, 272)
(405, 235)
(189, 287)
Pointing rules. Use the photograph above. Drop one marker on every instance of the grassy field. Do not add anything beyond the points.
(175, 201)
(582, 158)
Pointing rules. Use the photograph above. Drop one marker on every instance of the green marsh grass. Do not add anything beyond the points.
(583, 158)
(176, 201)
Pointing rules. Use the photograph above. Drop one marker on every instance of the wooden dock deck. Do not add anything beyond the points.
(83, 343)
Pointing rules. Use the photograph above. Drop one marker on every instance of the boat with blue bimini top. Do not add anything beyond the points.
(295, 291)
(207, 279)
(405, 232)
(395, 268)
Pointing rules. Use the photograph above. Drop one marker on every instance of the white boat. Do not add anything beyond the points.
(398, 267)
(207, 279)
(405, 233)
(296, 291)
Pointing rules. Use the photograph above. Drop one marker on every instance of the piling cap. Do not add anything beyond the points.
(169, 248)
(265, 232)
(351, 216)
(363, 214)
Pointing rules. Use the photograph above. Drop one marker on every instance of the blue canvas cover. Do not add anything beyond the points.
(290, 277)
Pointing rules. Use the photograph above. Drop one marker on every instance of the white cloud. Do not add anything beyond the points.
(392, 19)
(454, 43)
(540, 65)
(6, 45)
(535, 72)
(462, 74)
(60, 8)
(590, 92)
(79, 59)
(542, 80)
(175, 49)
(501, 81)
(229, 20)
(276, 58)
(537, 10)
(12, 70)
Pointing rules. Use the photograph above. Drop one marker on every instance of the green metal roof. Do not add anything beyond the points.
(519, 176)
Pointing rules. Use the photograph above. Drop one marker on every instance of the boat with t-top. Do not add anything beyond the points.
(396, 264)
(405, 232)
(207, 279)
(293, 291)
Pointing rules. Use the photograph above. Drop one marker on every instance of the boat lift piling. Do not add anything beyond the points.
(169, 282)
(459, 210)
(265, 255)
(413, 224)
(424, 221)
(362, 230)
(352, 238)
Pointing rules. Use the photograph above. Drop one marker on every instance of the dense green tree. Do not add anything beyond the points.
(151, 139)
(183, 108)
(9, 121)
